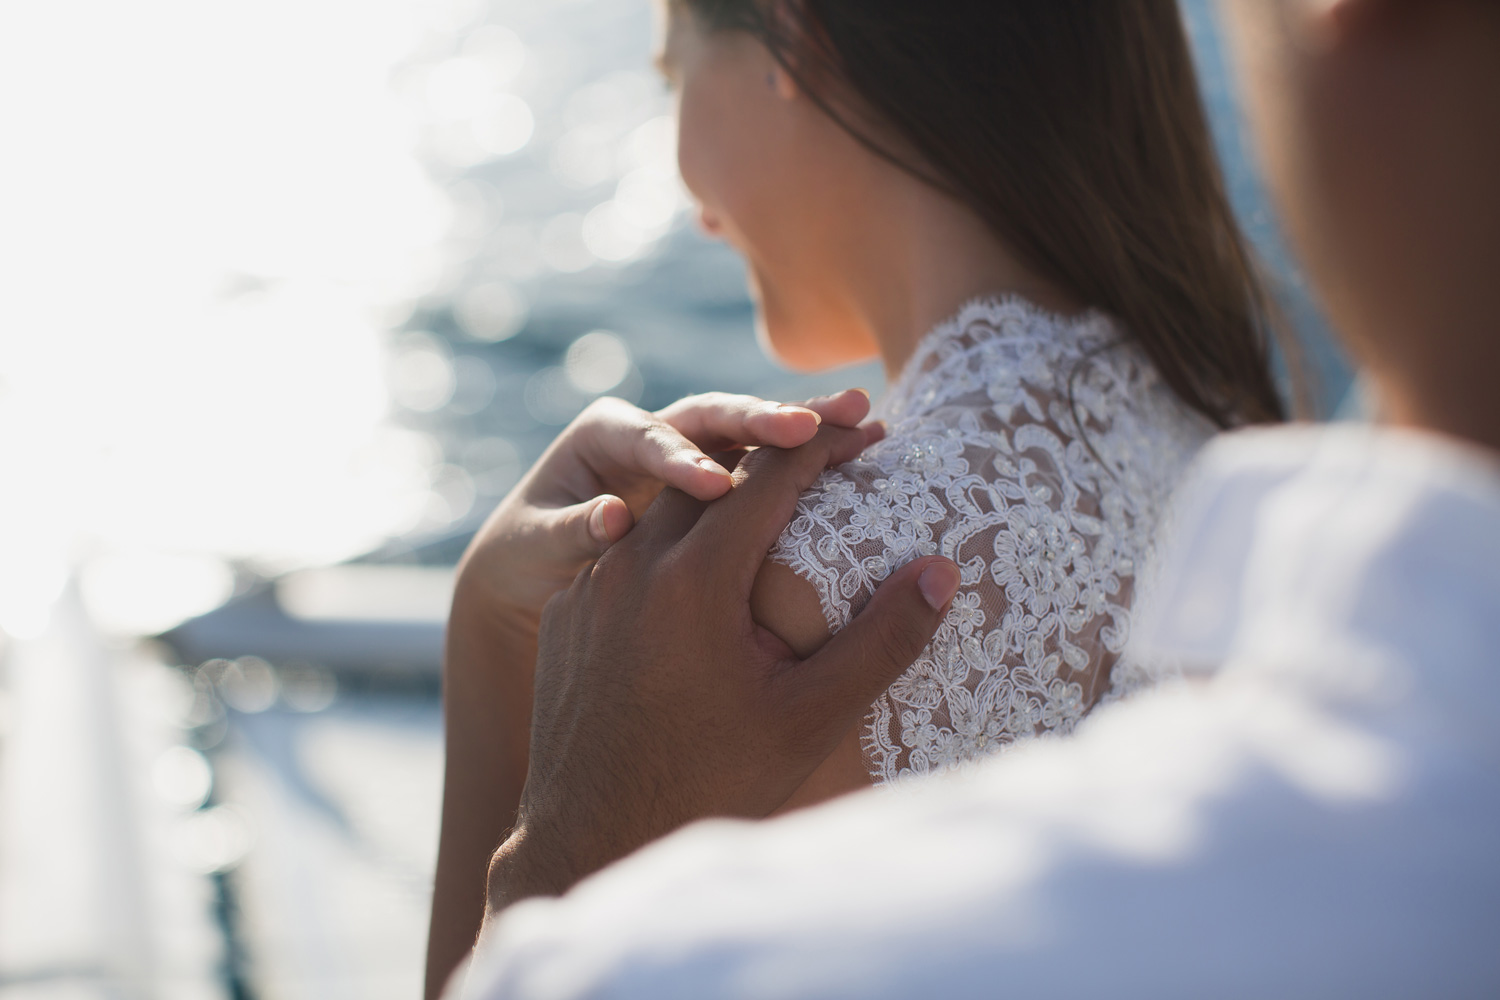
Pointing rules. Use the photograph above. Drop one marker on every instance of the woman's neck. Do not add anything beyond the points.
(933, 256)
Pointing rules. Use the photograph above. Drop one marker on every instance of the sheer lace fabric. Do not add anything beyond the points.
(1037, 452)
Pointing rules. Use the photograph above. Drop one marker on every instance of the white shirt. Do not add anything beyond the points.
(1318, 818)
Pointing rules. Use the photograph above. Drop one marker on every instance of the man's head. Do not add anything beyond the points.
(1379, 126)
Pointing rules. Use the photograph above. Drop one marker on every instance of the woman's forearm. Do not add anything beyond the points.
(487, 696)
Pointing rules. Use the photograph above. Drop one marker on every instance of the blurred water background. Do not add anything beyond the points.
(287, 284)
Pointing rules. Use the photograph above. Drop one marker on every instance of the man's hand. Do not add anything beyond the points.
(659, 701)
(582, 497)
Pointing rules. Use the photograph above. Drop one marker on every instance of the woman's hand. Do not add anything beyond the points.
(607, 467)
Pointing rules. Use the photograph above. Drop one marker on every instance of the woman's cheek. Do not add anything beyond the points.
(717, 157)
(694, 151)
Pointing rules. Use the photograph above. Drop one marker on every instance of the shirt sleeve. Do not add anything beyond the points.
(1165, 851)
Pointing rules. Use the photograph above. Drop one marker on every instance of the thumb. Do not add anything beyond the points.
(864, 659)
(584, 531)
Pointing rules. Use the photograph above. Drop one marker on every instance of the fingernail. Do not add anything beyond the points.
(596, 523)
(863, 392)
(939, 584)
(800, 409)
(709, 465)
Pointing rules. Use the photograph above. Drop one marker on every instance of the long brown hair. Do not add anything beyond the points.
(1076, 130)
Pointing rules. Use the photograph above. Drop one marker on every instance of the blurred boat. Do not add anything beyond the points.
(380, 616)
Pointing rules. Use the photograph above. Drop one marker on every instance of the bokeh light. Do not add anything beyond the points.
(248, 684)
(307, 689)
(491, 312)
(144, 592)
(421, 373)
(183, 777)
(597, 362)
(214, 840)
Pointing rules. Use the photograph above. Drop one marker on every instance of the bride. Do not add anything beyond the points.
(1016, 207)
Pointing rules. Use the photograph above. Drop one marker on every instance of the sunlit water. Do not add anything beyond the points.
(285, 279)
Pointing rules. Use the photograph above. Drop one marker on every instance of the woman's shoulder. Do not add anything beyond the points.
(1007, 376)
(1005, 407)
(1020, 360)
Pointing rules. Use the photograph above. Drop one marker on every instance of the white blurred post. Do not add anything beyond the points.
(82, 906)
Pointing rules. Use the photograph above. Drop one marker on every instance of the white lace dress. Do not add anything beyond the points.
(1038, 453)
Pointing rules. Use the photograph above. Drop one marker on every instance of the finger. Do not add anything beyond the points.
(842, 409)
(840, 681)
(621, 443)
(730, 459)
(716, 421)
(662, 452)
(584, 531)
(666, 522)
(740, 529)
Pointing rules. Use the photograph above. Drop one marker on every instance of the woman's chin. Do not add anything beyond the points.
(792, 361)
(800, 352)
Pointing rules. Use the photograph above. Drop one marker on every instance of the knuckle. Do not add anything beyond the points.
(594, 413)
(762, 460)
(672, 578)
(613, 411)
(723, 404)
(728, 401)
(688, 404)
(711, 400)
(615, 563)
(657, 439)
(602, 571)
(662, 569)
(658, 432)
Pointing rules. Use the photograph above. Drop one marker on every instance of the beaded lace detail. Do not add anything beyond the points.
(1037, 452)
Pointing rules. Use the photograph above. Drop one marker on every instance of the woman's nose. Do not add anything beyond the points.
(709, 222)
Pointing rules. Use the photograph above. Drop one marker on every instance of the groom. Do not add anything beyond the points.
(1312, 813)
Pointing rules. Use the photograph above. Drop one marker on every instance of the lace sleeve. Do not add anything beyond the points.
(1046, 522)
(1036, 622)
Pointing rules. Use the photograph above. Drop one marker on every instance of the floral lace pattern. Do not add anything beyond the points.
(1037, 452)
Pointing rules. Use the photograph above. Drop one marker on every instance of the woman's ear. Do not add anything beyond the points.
(781, 83)
(785, 22)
